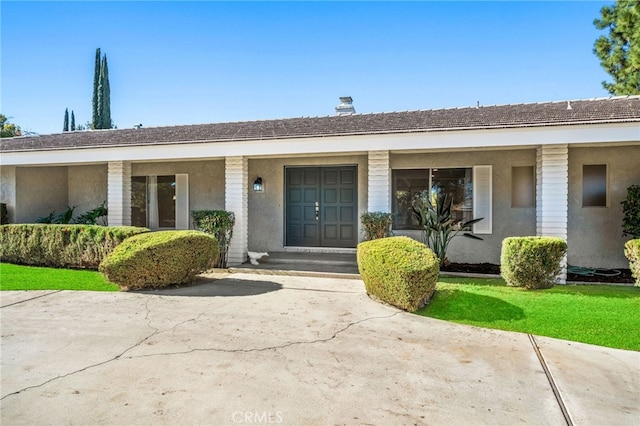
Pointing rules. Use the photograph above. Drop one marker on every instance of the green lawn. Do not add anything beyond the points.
(596, 314)
(18, 277)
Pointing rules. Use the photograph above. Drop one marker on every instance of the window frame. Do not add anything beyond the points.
(482, 185)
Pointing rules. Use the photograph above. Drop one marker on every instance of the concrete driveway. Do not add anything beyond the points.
(256, 349)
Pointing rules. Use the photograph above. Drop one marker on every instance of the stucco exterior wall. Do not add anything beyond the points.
(40, 190)
(206, 181)
(595, 233)
(8, 190)
(266, 209)
(87, 187)
(507, 221)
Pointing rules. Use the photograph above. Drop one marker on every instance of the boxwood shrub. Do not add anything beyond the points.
(632, 251)
(398, 270)
(160, 259)
(61, 246)
(532, 262)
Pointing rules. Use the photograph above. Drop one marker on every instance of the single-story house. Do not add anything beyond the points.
(555, 168)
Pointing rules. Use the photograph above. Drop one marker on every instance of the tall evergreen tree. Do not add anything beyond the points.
(104, 95)
(619, 51)
(73, 121)
(65, 126)
(95, 114)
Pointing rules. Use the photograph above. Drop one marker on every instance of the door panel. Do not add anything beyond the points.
(301, 227)
(328, 206)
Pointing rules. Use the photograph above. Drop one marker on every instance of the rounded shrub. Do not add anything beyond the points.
(632, 251)
(532, 262)
(399, 271)
(159, 259)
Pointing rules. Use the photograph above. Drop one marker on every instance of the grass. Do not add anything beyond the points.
(19, 277)
(596, 314)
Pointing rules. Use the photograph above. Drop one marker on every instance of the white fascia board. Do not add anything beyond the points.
(451, 139)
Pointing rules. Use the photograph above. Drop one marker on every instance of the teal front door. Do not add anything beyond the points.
(321, 206)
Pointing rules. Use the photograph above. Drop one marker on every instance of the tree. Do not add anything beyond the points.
(619, 51)
(101, 102)
(73, 121)
(9, 130)
(95, 116)
(104, 95)
(65, 126)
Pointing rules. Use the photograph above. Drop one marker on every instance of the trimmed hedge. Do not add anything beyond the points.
(376, 225)
(160, 259)
(398, 270)
(61, 246)
(531, 262)
(632, 251)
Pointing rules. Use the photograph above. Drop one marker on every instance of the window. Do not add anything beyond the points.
(160, 201)
(522, 187)
(409, 184)
(594, 185)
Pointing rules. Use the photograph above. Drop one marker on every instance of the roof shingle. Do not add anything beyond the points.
(593, 111)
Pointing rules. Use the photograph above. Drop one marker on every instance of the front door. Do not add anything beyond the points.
(321, 206)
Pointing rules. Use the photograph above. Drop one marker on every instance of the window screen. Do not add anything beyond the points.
(594, 185)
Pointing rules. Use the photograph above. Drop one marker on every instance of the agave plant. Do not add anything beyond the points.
(438, 226)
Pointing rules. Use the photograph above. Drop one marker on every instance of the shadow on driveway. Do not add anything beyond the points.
(218, 287)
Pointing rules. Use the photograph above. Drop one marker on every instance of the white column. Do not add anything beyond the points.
(236, 200)
(552, 195)
(8, 191)
(119, 193)
(379, 182)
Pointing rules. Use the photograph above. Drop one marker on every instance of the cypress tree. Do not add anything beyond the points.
(104, 95)
(73, 121)
(65, 126)
(95, 116)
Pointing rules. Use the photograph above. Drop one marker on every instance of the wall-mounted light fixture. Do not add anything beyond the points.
(258, 186)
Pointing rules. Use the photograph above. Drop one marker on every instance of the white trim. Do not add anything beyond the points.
(483, 199)
(182, 201)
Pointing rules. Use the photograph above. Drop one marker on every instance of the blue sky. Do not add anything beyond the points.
(176, 63)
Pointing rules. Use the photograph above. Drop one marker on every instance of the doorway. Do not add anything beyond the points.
(321, 206)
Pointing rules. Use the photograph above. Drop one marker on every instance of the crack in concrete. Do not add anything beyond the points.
(158, 331)
(115, 358)
(268, 348)
(32, 298)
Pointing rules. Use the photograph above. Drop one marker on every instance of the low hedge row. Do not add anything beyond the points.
(532, 262)
(61, 246)
(160, 259)
(398, 270)
(632, 251)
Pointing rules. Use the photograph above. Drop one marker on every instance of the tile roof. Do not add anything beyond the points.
(590, 111)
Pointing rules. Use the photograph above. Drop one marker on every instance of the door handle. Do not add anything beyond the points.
(317, 210)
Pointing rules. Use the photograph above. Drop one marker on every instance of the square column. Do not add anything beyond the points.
(119, 193)
(236, 200)
(552, 195)
(379, 182)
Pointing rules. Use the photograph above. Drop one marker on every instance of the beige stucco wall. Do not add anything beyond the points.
(8, 190)
(206, 180)
(266, 209)
(595, 233)
(87, 187)
(507, 221)
(40, 190)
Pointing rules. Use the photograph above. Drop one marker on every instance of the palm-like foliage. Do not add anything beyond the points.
(438, 225)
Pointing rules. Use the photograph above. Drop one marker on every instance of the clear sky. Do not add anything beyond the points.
(201, 62)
